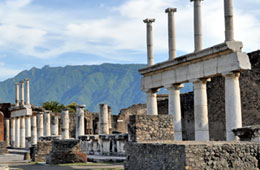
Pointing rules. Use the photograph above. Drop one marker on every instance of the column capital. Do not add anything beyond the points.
(21, 81)
(204, 80)
(81, 106)
(151, 90)
(175, 86)
(17, 83)
(196, 0)
(231, 74)
(149, 20)
(27, 79)
(168, 10)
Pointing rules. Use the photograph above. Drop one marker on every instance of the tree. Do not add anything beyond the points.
(54, 106)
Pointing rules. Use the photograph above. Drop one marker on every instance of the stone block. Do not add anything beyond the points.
(3, 147)
(38, 152)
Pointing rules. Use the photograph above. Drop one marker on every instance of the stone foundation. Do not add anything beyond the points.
(39, 151)
(3, 149)
(193, 156)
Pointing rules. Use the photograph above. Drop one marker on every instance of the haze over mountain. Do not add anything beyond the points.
(118, 85)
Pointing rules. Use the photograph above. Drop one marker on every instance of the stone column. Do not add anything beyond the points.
(201, 110)
(54, 125)
(22, 132)
(28, 126)
(232, 104)
(229, 23)
(40, 124)
(17, 132)
(151, 104)
(17, 94)
(47, 123)
(65, 124)
(150, 57)
(34, 130)
(13, 122)
(7, 132)
(80, 120)
(103, 119)
(109, 119)
(27, 91)
(22, 92)
(174, 108)
(197, 25)
(171, 32)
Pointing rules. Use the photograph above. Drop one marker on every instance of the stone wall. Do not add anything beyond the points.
(3, 147)
(150, 128)
(39, 152)
(193, 156)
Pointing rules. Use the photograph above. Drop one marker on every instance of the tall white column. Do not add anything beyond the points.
(229, 23)
(65, 124)
(17, 94)
(28, 126)
(22, 132)
(54, 125)
(150, 55)
(80, 120)
(174, 108)
(197, 25)
(22, 92)
(13, 122)
(17, 132)
(201, 110)
(103, 119)
(171, 32)
(151, 104)
(109, 118)
(34, 130)
(47, 123)
(7, 131)
(40, 124)
(232, 104)
(27, 91)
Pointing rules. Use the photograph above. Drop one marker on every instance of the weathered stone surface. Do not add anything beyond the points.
(150, 128)
(193, 156)
(39, 151)
(66, 151)
(248, 133)
(3, 149)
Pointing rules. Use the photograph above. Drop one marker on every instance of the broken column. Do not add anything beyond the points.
(17, 94)
(7, 132)
(150, 57)
(22, 132)
(33, 130)
(152, 108)
(232, 104)
(22, 92)
(40, 124)
(171, 32)
(80, 120)
(27, 91)
(65, 124)
(201, 110)
(103, 119)
(17, 132)
(229, 25)
(47, 123)
(197, 25)
(13, 132)
(54, 125)
(174, 108)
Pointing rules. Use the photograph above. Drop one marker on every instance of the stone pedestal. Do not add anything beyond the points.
(65, 124)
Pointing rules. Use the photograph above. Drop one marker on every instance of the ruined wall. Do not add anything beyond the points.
(39, 152)
(192, 155)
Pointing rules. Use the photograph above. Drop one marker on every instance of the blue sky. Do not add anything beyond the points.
(35, 33)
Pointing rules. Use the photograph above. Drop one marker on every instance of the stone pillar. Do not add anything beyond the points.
(197, 25)
(103, 119)
(174, 108)
(40, 124)
(13, 122)
(54, 125)
(65, 124)
(171, 32)
(7, 132)
(201, 110)
(150, 57)
(151, 104)
(22, 132)
(80, 121)
(28, 126)
(47, 123)
(34, 130)
(109, 119)
(17, 94)
(232, 104)
(27, 91)
(229, 23)
(22, 92)
(17, 132)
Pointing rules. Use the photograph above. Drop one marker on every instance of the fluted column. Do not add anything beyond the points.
(150, 55)
(22, 92)
(103, 119)
(171, 33)
(40, 124)
(232, 104)
(13, 122)
(33, 130)
(80, 120)
(47, 123)
(7, 131)
(17, 132)
(151, 105)
(174, 108)
(197, 25)
(201, 110)
(27, 91)
(65, 124)
(229, 23)
(54, 125)
(22, 132)
(17, 94)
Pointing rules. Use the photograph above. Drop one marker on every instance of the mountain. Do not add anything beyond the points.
(117, 85)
